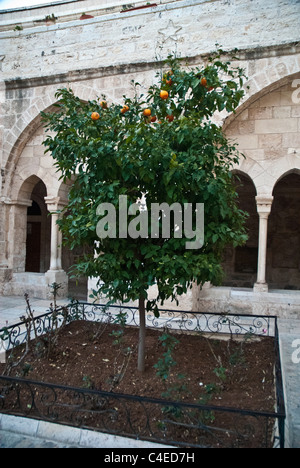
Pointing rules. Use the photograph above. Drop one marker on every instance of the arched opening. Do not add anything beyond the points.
(283, 261)
(77, 288)
(240, 264)
(38, 232)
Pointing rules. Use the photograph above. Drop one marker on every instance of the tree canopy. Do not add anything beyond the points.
(163, 145)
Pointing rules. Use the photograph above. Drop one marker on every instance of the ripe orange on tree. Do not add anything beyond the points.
(204, 82)
(147, 112)
(164, 94)
(103, 104)
(95, 116)
(124, 110)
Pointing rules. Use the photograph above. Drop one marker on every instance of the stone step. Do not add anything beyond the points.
(33, 279)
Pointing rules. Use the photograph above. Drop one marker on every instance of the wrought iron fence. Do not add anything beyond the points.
(164, 421)
(184, 321)
(232, 324)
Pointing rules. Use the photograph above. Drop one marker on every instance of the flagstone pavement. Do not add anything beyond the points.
(12, 308)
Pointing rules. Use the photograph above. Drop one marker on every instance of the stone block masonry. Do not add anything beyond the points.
(141, 35)
(103, 54)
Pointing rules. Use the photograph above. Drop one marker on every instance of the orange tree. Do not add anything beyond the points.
(163, 145)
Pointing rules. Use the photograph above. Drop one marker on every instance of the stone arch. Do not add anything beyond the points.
(43, 99)
(239, 173)
(266, 130)
(63, 190)
(30, 122)
(271, 83)
(28, 158)
(38, 227)
(24, 127)
(24, 136)
(28, 233)
(27, 167)
(293, 170)
(24, 192)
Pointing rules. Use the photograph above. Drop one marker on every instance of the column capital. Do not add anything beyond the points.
(55, 203)
(264, 205)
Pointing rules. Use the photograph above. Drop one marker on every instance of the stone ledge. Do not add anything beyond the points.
(284, 304)
(37, 285)
(85, 74)
(36, 24)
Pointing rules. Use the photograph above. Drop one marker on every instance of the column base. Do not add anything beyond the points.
(261, 288)
(5, 277)
(5, 274)
(59, 277)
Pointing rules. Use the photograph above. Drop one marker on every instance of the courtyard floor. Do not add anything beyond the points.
(12, 308)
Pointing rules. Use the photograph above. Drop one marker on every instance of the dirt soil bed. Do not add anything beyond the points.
(235, 374)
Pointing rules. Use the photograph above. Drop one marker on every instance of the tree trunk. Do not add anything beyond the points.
(142, 335)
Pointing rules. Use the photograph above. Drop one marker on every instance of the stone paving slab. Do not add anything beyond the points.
(18, 432)
(10, 440)
(291, 377)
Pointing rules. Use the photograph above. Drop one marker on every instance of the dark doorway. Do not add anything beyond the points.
(240, 264)
(33, 247)
(283, 261)
(38, 232)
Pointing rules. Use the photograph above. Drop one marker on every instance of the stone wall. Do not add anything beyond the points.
(103, 54)
(268, 134)
(192, 27)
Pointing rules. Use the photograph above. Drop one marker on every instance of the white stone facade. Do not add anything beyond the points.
(102, 54)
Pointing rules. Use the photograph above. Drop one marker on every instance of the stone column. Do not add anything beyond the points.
(55, 255)
(13, 214)
(56, 274)
(264, 206)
